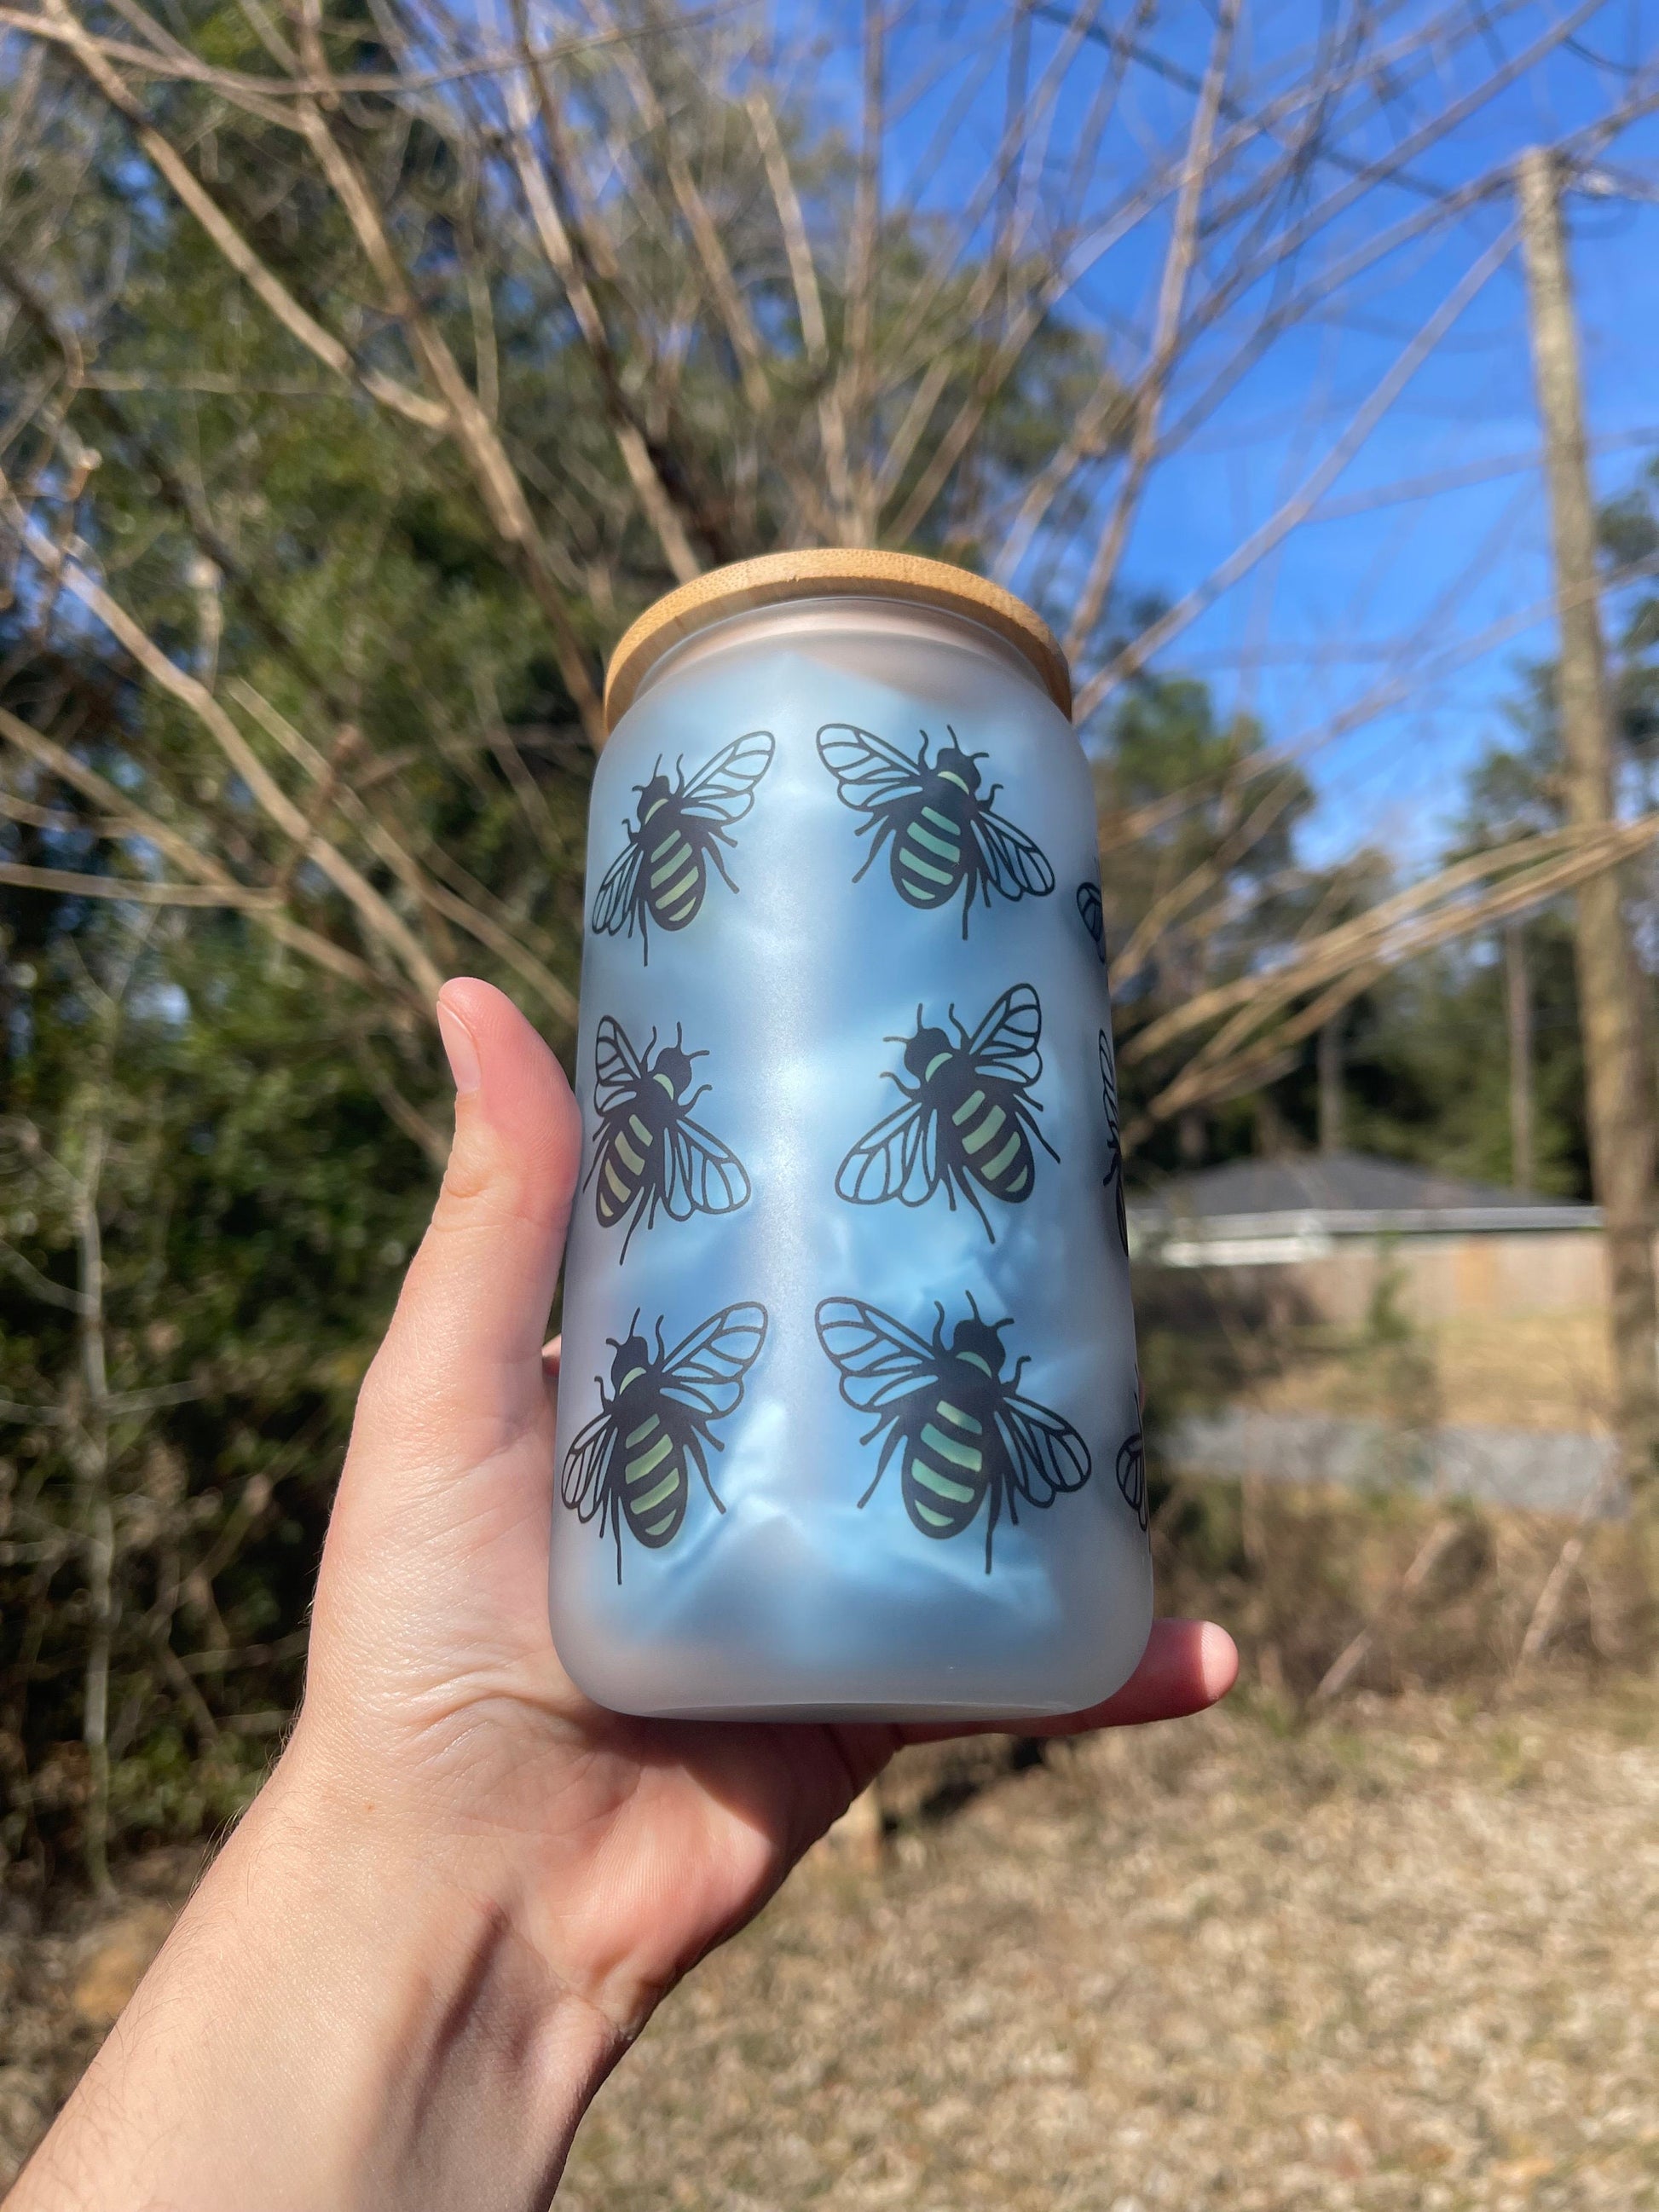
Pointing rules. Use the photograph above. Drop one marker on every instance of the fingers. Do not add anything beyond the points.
(1187, 1665)
(462, 1358)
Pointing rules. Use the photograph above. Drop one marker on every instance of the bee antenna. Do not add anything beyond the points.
(635, 1323)
(974, 1303)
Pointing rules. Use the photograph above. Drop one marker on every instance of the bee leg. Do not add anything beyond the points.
(702, 1469)
(991, 1522)
(972, 1197)
(887, 1451)
(616, 1522)
(712, 848)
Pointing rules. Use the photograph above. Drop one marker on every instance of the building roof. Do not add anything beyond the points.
(1346, 1192)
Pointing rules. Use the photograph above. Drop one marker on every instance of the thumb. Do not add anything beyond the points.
(459, 1373)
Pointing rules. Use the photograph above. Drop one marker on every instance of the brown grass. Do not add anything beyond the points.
(1404, 1958)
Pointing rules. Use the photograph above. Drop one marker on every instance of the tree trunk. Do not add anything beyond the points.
(1621, 1140)
(1518, 998)
(1330, 1086)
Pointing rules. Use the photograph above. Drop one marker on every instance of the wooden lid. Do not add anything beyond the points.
(829, 572)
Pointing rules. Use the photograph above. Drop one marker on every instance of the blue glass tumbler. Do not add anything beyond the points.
(848, 1417)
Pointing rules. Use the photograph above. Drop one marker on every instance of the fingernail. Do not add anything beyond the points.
(462, 1051)
(1218, 1660)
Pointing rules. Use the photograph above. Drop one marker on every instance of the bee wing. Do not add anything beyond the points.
(881, 1361)
(1005, 1041)
(701, 1175)
(869, 771)
(616, 1067)
(1094, 915)
(706, 1371)
(1015, 864)
(1045, 1453)
(1109, 1085)
(613, 902)
(583, 1482)
(895, 1159)
(1132, 1473)
(723, 789)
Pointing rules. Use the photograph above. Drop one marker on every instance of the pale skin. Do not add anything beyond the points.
(464, 1887)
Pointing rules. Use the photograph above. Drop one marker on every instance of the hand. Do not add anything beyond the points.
(465, 1887)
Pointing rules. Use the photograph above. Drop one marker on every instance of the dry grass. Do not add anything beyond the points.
(1406, 1958)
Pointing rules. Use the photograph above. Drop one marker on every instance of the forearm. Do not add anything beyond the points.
(331, 2026)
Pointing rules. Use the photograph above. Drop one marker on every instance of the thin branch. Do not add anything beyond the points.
(1166, 333)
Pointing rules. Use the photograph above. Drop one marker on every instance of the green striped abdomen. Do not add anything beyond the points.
(993, 1147)
(676, 873)
(944, 1469)
(654, 1483)
(928, 857)
(624, 1166)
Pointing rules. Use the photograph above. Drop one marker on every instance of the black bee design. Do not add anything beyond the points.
(648, 1150)
(1094, 916)
(946, 837)
(1132, 1473)
(633, 1460)
(1114, 1175)
(967, 1434)
(968, 1119)
(662, 872)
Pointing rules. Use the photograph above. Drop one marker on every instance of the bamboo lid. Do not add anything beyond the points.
(830, 572)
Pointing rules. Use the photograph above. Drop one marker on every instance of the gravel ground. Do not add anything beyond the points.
(1410, 1959)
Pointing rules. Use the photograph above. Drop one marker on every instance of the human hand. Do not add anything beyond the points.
(465, 1885)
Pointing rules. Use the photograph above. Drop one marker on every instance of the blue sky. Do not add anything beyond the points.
(1320, 622)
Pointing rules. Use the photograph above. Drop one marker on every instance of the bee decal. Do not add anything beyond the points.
(1132, 1473)
(633, 1462)
(662, 872)
(648, 1152)
(946, 836)
(1094, 916)
(1114, 1175)
(966, 1434)
(968, 1119)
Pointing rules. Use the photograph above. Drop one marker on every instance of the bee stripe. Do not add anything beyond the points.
(969, 1106)
(631, 1159)
(618, 1187)
(968, 1455)
(638, 1435)
(929, 843)
(940, 1484)
(987, 1129)
(676, 893)
(1016, 1188)
(915, 867)
(938, 1520)
(671, 867)
(665, 1488)
(940, 822)
(639, 1469)
(954, 1415)
(657, 1528)
(994, 1168)
(646, 1136)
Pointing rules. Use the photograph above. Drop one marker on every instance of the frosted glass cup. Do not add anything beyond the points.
(848, 1412)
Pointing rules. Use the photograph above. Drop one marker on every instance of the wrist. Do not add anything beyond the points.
(333, 2023)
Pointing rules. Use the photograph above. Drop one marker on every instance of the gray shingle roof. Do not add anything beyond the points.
(1352, 1190)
